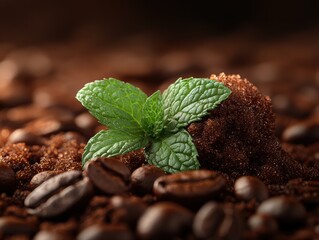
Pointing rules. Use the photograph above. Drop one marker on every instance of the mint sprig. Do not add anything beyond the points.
(155, 123)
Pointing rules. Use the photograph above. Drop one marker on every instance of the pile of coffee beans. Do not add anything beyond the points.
(259, 178)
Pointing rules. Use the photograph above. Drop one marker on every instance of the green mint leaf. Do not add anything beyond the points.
(108, 143)
(153, 115)
(116, 104)
(173, 153)
(188, 100)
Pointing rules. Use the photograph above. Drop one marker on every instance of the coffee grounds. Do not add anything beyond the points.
(240, 134)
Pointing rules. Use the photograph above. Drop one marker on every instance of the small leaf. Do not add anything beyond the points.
(173, 153)
(153, 115)
(188, 100)
(116, 104)
(108, 143)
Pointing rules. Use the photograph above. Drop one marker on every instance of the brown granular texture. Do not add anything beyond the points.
(59, 153)
(238, 137)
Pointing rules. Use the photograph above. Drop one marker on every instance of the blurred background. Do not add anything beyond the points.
(49, 49)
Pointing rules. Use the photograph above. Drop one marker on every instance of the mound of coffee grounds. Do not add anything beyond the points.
(238, 137)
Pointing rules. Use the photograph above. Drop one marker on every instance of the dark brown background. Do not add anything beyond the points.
(36, 20)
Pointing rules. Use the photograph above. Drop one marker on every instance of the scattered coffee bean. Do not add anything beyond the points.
(232, 226)
(7, 178)
(263, 224)
(42, 177)
(249, 187)
(109, 175)
(143, 178)
(308, 191)
(105, 231)
(86, 122)
(207, 220)
(13, 225)
(287, 210)
(306, 132)
(164, 220)
(127, 209)
(47, 126)
(21, 135)
(58, 194)
(31, 62)
(51, 235)
(190, 187)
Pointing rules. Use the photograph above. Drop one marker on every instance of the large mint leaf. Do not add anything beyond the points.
(116, 104)
(108, 143)
(188, 100)
(153, 115)
(173, 153)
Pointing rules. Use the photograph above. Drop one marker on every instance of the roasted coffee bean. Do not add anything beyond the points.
(109, 175)
(86, 122)
(13, 225)
(207, 220)
(308, 191)
(164, 220)
(47, 125)
(51, 235)
(74, 136)
(306, 132)
(105, 231)
(249, 187)
(287, 210)
(7, 178)
(58, 194)
(143, 178)
(31, 62)
(13, 94)
(190, 187)
(127, 209)
(42, 177)
(21, 135)
(263, 224)
(232, 225)
(304, 234)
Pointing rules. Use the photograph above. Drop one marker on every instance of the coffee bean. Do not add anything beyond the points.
(127, 209)
(51, 235)
(190, 187)
(7, 178)
(21, 135)
(232, 225)
(143, 178)
(109, 175)
(31, 62)
(287, 210)
(207, 220)
(305, 132)
(58, 194)
(86, 122)
(14, 94)
(304, 234)
(42, 177)
(263, 224)
(308, 191)
(164, 220)
(105, 231)
(13, 225)
(249, 187)
(48, 125)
